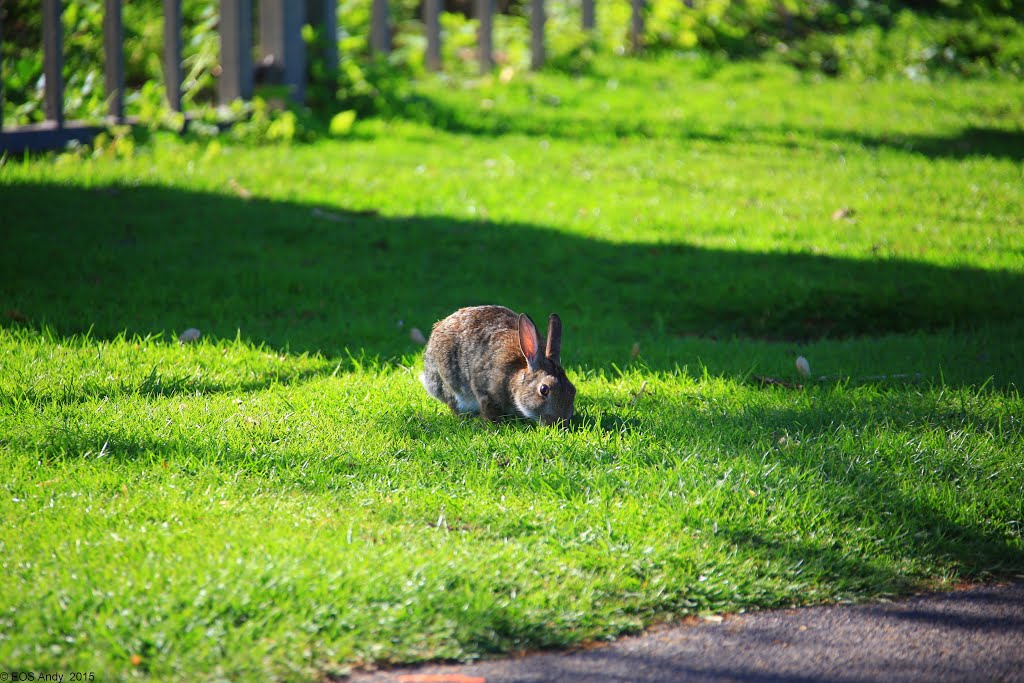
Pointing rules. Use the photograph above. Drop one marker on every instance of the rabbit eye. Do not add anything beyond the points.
(544, 389)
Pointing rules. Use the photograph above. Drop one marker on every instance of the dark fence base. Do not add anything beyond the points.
(39, 137)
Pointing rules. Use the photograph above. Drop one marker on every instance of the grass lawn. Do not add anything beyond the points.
(283, 499)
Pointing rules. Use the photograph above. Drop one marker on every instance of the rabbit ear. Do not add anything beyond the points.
(528, 341)
(554, 349)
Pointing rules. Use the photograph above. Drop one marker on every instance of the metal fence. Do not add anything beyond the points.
(281, 50)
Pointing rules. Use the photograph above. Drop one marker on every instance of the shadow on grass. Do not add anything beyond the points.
(840, 491)
(844, 490)
(972, 141)
(899, 491)
(927, 504)
(158, 384)
(147, 260)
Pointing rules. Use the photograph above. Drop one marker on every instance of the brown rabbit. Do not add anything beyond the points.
(488, 360)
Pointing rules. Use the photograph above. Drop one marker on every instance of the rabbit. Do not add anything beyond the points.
(488, 360)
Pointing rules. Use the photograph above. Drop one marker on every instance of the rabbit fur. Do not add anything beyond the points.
(489, 360)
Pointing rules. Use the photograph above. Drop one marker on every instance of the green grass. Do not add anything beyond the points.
(282, 498)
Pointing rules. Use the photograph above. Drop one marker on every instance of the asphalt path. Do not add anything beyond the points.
(972, 634)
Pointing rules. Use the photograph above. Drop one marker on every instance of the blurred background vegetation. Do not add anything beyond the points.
(857, 39)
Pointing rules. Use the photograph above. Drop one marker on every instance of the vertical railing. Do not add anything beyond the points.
(323, 14)
(236, 73)
(432, 24)
(281, 48)
(380, 33)
(484, 12)
(172, 53)
(485, 34)
(589, 19)
(636, 25)
(53, 62)
(113, 54)
(1, 70)
(537, 19)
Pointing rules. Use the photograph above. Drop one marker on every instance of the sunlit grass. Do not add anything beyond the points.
(282, 497)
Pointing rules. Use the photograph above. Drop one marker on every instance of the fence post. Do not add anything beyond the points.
(53, 62)
(380, 36)
(323, 15)
(235, 50)
(1, 65)
(636, 25)
(282, 51)
(537, 18)
(485, 35)
(432, 21)
(172, 53)
(113, 55)
(588, 15)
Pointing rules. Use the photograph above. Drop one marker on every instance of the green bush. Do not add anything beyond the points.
(916, 47)
(913, 39)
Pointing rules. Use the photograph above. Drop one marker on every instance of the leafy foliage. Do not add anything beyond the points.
(860, 38)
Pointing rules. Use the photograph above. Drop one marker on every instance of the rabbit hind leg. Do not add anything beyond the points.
(436, 387)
